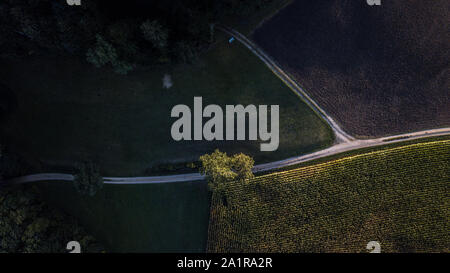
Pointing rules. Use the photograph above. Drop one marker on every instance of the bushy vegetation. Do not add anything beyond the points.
(398, 197)
(27, 224)
(104, 53)
(155, 33)
(88, 179)
(136, 32)
(221, 169)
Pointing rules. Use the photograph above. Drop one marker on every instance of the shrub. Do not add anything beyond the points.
(104, 53)
(155, 33)
(88, 179)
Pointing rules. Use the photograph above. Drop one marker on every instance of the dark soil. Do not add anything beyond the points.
(379, 70)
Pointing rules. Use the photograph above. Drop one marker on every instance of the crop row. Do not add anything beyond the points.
(398, 196)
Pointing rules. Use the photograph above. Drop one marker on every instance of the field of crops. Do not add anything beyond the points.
(376, 70)
(399, 197)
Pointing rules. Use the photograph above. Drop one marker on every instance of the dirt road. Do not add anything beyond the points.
(341, 135)
(344, 142)
(333, 150)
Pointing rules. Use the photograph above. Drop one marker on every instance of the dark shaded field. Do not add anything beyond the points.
(377, 70)
(170, 217)
(67, 111)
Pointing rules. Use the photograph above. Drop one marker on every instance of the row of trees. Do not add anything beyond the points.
(119, 35)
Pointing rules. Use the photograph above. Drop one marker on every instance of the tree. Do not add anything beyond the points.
(88, 179)
(28, 224)
(220, 168)
(155, 33)
(242, 166)
(104, 53)
(53, 26)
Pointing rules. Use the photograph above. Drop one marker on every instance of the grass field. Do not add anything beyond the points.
(139, 218)
(398, 197)
(68, 111)
(376, 70)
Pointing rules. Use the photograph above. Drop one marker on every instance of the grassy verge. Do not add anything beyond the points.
(396, 196)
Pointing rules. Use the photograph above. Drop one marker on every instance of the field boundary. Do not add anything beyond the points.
(261, 168)
(345, 142)
(341, 135)
(351, 157)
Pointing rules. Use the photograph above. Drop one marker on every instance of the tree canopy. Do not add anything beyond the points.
(29, 225)
(220, 168)
(88, 179)
(138, 32)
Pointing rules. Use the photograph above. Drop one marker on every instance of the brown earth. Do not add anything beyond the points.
(377, 70)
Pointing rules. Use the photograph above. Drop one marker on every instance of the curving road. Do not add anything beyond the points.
(345, 142)
(333, 150)
(341, 135)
